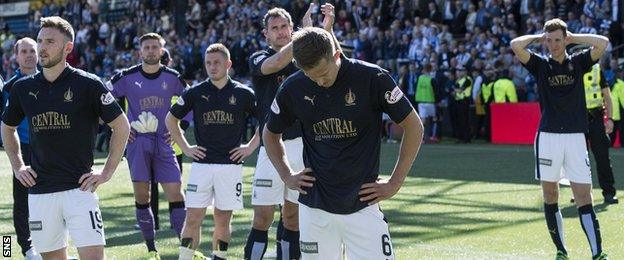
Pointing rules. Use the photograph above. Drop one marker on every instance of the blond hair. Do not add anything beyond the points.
(25, 39)
(218, 48)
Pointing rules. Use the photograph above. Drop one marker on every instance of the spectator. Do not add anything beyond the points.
(447, 33)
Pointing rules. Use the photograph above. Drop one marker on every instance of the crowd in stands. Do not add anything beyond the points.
(400, 35)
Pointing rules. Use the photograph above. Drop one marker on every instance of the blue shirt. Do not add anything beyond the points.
(22, 128)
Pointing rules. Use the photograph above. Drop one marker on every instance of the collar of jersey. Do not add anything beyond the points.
(228, 85)
(151, 76)
(344, 66)
(68, 70)
(565, 61)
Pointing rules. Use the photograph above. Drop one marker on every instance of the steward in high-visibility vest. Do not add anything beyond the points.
(593, 89)
(463, 88)
(504, 90)
(617, 98)
(598, 101)
(460, 107)
(489, 76)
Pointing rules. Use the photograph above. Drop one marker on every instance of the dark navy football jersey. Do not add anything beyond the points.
(561, 91)
(341, 129)
(265, 87)
(63, 117)
(220, 117)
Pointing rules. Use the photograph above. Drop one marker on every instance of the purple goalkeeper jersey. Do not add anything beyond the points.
(147, 92)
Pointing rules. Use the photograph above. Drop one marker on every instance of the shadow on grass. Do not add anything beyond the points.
(120, 222)
(458, 215)
(478, 162)
(571, 210)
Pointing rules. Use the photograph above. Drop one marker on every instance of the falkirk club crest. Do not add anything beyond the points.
(232, 100)
(349, 98)
(68, 96)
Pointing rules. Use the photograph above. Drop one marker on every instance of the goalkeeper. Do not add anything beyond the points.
(149, 87)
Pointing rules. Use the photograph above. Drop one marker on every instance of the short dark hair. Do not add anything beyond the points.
(310, 45)
(556, 24)
(220, 48)
(152, 36)
(276, 12)
(427, 67)
(60, 24)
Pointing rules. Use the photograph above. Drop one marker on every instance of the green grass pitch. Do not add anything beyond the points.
(475, 201)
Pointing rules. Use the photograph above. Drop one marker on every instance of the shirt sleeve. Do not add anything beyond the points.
(252, 106)
(13, 113)
(116, 85)
(104, 103)
(183, 105)
(181, 86)
(533, 64)
(584, 60)
(255, 62)
(280, 116)
(4, 96)
(603, 80)
(389, 96)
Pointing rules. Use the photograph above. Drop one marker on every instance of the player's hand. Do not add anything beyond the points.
(168, 138)
(195, 152)
(609, 126)
(375, 192)
(239, 154)
(131, 136)
(328, 21)
(300, 179)
(91, 181)
(306, 21)
(26, 176)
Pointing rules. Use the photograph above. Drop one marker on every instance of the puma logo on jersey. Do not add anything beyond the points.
(310, 99)
(258, 59)
(207, 98)
(33, 94)
(140, 84)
